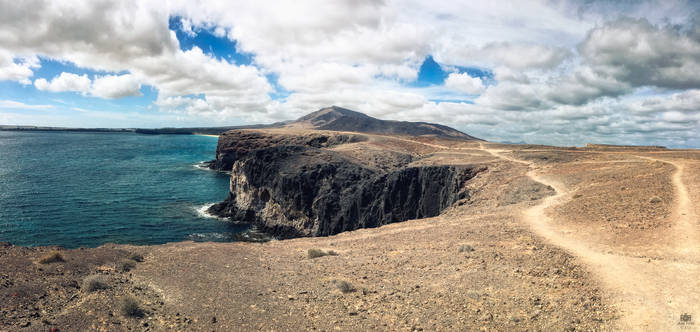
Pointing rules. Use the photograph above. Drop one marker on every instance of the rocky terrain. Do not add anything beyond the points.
(289, 184)
(299, 179)
(495, 238)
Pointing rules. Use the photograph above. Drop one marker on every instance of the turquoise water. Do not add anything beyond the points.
(87, 189)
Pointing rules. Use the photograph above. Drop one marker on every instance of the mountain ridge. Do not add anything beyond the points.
(342, 119)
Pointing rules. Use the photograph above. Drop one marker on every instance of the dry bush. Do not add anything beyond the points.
(136, 257)
(94, 282)
(344, 286)
(125, 265)
(655, 200)
(52, 257)
(315, 253)
(130, 307)
(466, 248)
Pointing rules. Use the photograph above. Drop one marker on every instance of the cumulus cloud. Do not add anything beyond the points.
(108, 86)
(65, 82)
(519, 56)
(637, 52)
(464, 83)
(115, 86)
(682, 102)
(113, 36)
(563, 71)
(18, 69)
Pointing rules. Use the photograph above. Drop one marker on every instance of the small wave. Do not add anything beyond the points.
(204, 165)
(203, 211)
(203, 237)
(252, 235)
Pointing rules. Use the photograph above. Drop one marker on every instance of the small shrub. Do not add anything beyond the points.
(344, 286)
(315, 253)
(130, 307)
(125, 265)
(93, 283)
(52, 257)
(136, 257)
(655, 200)
(466, 248)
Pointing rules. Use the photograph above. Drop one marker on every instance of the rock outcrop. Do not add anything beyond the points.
(237, 144)
(295, 185)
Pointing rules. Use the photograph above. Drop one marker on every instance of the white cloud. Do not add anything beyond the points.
(115, 86)
(65, 82)
(519, 56)
(11, 104)
(464, 83)
(681, 102)
(187, 27)
(18, 69)
(572, 70)
(642, 54)
(108, 86)
(128, 36)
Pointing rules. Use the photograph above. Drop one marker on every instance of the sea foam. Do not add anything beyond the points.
(203, 211)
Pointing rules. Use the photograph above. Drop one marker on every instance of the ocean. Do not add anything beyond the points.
(87, 189)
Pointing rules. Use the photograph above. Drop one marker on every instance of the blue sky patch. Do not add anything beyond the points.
(432, 73)
(204, 38)
(280, 92)
(51, 68)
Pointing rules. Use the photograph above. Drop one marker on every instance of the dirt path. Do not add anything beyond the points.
(684, 231)
(651, 295)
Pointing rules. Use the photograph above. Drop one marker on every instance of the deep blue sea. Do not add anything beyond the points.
(87, 189)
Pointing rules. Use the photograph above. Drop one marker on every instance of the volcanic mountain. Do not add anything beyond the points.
(340, 119)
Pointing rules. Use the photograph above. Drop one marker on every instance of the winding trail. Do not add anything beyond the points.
(685, 232)
(650, 295)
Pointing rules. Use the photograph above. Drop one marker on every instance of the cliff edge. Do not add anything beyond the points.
(315, 183)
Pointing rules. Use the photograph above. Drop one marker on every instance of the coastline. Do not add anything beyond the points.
(208, 135)
(478, 264)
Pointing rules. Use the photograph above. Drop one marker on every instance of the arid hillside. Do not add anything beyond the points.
(547, 239)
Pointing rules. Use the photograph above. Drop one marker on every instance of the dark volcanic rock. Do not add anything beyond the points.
(302, 190)
(237, 144)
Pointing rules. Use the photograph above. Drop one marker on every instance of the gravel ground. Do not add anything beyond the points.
(478, 266)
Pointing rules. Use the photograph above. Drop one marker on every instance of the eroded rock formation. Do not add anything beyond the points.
(294, 185)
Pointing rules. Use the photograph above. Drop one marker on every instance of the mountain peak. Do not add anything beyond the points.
(327, 115)
(342, 119)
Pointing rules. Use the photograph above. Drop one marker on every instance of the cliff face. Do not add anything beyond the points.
(237, 144)
(295, 186)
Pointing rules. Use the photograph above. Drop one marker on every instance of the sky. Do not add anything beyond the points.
(547, 72)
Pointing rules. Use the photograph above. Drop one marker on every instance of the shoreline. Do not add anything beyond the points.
(208, 135)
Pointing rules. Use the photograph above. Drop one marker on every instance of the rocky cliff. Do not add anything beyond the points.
(294, 185)
(237, 144)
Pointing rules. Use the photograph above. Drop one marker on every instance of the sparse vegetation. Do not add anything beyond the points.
(315, 253)
(136, 257)
(655, 200)
(466, 248)
(344, 286)
(130, 307)
(52, 257)
(125, 265)
(94, 282)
